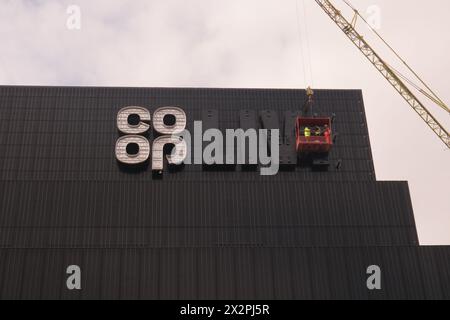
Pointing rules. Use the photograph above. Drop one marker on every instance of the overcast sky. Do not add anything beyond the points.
(250, 43)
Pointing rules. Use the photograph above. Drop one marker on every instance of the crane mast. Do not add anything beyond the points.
(384, 69)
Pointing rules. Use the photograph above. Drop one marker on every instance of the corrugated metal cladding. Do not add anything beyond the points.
(197, 233)
(69, 133)
(227, 273)
(191, 214)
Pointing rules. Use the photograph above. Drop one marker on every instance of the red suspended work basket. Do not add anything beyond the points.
(314, 143)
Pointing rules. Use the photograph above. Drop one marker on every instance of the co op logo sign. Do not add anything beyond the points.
(250, 147)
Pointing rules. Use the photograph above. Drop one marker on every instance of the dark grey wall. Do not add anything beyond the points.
(192, 214)
(69, 133)
(227, 273)
(196, 233)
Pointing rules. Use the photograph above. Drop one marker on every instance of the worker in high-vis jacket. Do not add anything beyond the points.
(307, 132)
(317, 131)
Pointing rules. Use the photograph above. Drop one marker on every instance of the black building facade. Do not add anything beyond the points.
(198, 233)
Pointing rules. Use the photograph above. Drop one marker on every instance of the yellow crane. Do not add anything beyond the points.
(392, 75)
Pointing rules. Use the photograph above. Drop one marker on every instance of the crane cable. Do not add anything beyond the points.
(431, 95)
(308, 50)
(304, 43)
(306, 54)
(300, 40)
(414, 85)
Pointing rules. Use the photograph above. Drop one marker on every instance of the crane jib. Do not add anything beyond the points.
(385, 70)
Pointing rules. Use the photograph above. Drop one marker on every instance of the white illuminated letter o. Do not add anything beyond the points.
(162, 128)
(142, 149)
